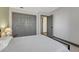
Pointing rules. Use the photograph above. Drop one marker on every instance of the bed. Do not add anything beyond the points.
(35, 43)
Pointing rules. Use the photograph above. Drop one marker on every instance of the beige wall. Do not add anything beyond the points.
(4, 16)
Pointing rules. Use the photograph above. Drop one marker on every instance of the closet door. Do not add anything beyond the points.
(31, 23)
(23, 25)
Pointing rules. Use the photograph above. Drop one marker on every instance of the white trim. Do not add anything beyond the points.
(10, 18)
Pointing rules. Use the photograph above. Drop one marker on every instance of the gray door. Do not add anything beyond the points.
(23, 25)
(50, 26)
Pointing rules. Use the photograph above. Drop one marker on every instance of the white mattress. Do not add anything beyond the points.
(37, 43)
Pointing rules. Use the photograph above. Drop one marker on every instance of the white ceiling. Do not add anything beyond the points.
(37, 9)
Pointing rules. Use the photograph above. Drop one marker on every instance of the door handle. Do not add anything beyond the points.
(51, 26)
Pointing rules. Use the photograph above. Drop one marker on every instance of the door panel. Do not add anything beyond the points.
(41, 24)
(50, 26)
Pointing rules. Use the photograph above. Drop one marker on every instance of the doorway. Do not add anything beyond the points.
(46, 25)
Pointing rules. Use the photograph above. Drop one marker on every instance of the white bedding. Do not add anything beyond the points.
(4, 41)
(37, 43)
